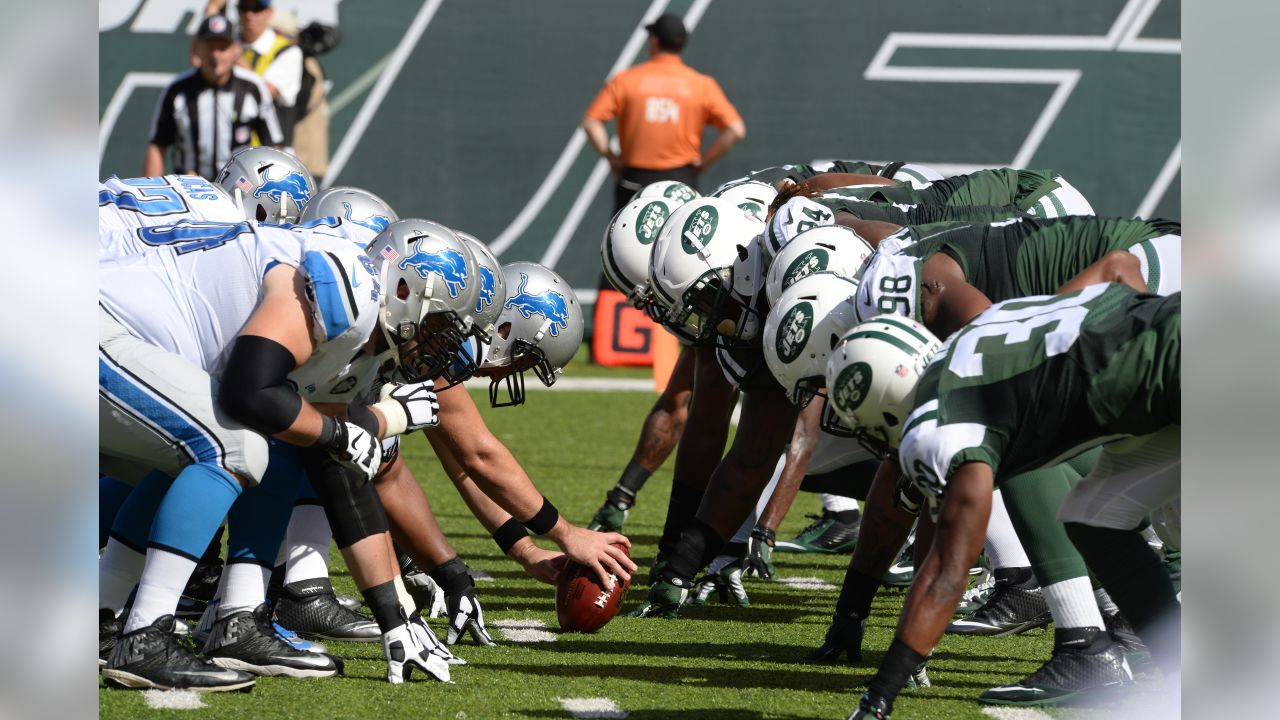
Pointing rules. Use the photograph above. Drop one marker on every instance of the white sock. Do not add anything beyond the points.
(1072, 604)
(1003, 547)
(838, 503)
(244, 587)
(118, 571)
(163, 578)
(308, 541)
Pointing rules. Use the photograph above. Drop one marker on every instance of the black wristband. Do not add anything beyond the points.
(761, 532)
(895, 669)
(545, 519)
(509, 534)
(328, 433)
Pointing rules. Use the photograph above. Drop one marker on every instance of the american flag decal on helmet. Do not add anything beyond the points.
(389, 253)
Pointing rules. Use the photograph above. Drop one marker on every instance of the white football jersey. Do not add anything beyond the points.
(194, 289)
(132, 203)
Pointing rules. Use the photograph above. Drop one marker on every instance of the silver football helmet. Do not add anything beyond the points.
(351, 204)
(430, 287)
(493, 287)
(540, 328)
(269, 185)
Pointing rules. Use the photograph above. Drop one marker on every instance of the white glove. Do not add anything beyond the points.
(355, 449)
(404, 651)
(427, 595)
(423, 633)
(407, 408)
(466, 615)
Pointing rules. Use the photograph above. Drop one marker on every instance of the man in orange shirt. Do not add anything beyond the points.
(662, 107)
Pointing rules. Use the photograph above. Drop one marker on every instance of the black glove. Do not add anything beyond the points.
(462, 608)
(843, 636)
(759, 559)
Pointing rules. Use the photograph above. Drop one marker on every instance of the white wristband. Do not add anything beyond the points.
(394, 415)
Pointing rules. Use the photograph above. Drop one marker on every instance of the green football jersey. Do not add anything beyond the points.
(1004, 260)
(918, 214)
(1034, 381)
(1004, 186)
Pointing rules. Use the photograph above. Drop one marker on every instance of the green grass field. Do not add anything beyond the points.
(715, 662)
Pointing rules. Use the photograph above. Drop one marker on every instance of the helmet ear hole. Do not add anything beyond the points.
(402, 290)
(261, 213)
(504, 330)
(835, 340)
(890, 419)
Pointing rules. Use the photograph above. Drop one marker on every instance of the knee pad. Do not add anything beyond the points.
(354, 509)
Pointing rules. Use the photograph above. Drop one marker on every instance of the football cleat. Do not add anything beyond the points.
(844, 637)
(1009, 610)
(903, 569)
(919, 678)
(310, 608)
(666, 595)
(1086, 663)
(152, 658)
(348, 602)
(1123, 635)
(872, 707)
(975, 597)
(613, 513)
(825, 535)
(726, 583)
(109, 629)
(245, 640)
(404, 651)
(293, 640)
(200, 589)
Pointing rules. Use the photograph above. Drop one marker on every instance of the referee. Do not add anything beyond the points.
(208, 112)
(662, 107)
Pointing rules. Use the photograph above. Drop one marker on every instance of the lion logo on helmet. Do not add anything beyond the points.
(446, 262)
(549, 304)
(292, 183)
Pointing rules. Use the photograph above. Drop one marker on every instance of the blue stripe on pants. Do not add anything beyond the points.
(153, 409)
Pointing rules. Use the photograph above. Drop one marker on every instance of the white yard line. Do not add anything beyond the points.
(173, 699)
(524, 631)
(598, 707)
(807, 583)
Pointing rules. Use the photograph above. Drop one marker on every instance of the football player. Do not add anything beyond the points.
(268, 185)
(1092, 367)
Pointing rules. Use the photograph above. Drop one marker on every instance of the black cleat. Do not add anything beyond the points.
(310, 608)
(872, 707)
(151, 658)
(1011, 609)
(1123, 635)
(109, 629)
(1087, 663)
(844, 637)
(245, 640)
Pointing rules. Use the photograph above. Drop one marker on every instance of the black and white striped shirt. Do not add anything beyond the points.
(203, 124)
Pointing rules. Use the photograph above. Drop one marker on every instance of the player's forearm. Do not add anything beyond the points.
(1118, 266)
(153, 161)
(826, 181)
(803, 441)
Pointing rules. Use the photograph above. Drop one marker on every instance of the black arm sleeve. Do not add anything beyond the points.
(254, 388)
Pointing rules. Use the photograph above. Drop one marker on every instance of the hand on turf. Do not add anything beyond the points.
(404, 651)
(727, 583)
(664, 600)
(431, 642)
(872, 706)
(759, 558)
(466, 615)
(919, 678)
(596, 550)
(844, 636)
(426, 594)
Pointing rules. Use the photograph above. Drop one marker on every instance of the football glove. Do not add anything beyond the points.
(462, 609)
(843, 636)
(759, 559)
(665, 598)
(428, 639)
(727, 583)
(404, 651)
(409, 407)
(426, 594)
(613, 513)
(872, 706)
(355, 449)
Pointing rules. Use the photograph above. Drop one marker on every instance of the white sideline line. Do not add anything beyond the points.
(173, 699)
(531, 209)
(600, 173)
(1161, 184)
(592, 708)
(524, 631)
(379, 92)
(359, 85)
(807, 583)
(1009, 713)
(121, 97)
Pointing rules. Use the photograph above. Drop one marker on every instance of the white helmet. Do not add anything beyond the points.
(429, 293)
(624, 252)
(691, 268)
(794, 217)
(540, 329)
(493, 287)
(351, 204)
(269, 185)
(830, 249)
(872, 377)
(802, 328)
(673, 190)
(751, 196)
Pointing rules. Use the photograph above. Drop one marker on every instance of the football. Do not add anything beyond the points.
(582, 604)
